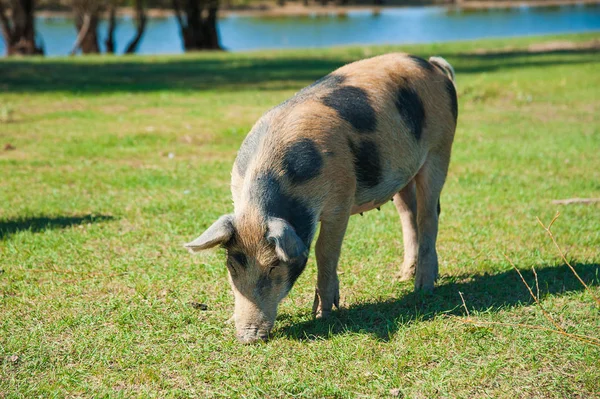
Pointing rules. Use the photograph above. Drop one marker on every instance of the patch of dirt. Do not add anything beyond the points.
(564, 45)
(545, 47)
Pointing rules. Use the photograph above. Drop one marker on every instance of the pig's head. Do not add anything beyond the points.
(265, 256)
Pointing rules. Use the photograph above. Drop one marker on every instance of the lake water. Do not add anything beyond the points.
(390, 26)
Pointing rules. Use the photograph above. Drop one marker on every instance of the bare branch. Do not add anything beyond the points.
(546, 314)
(563, 256)
(552, 221)
(576, 201)
(558, 330)
(537, 284)
(464, 304)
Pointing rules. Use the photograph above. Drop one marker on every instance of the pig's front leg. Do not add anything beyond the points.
(328, 250)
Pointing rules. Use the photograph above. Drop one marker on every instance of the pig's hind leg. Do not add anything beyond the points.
(429, 183)
(406, 205)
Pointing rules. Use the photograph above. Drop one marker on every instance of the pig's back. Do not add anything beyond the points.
(368, 124)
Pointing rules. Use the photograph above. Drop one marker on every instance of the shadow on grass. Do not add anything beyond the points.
(41, 223)
(185, 74)
(233, 71)
(489, 292)
(516, 59)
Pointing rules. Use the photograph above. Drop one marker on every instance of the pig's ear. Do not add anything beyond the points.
(219, 233)
(287, 243)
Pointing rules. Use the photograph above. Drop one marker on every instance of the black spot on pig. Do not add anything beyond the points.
(439, 208)
(453, 98)
(421, 63)
(302, 161)
(367, 163)
(268, 194)
(411, 109)
(353, 105)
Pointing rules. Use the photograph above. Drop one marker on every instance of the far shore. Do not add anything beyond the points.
(298, 10)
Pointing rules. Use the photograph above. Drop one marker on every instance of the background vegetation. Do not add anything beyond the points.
(196, 19)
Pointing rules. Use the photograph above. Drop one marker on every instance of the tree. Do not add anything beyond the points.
(198, 24)
(140, 19)
(112, 26)
(18, 29)
(87, 15)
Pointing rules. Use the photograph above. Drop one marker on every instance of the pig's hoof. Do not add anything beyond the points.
(323, 314)
(426, 289)
(252, 336)
(252, 340)
(407, 271)
(403, 276)
(322, 309)
(424, 285)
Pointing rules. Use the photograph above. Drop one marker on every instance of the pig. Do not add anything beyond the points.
(372, 131)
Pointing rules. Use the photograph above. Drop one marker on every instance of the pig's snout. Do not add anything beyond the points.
(253, 334)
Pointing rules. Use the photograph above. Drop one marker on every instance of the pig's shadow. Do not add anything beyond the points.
(488, 292)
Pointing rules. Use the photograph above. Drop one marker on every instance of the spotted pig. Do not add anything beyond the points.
(373, 130)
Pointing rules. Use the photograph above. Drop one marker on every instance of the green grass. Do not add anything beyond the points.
(95, 287)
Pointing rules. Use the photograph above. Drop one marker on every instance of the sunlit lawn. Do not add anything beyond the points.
(119, 161)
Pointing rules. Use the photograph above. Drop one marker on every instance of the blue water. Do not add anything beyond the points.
(391, 26)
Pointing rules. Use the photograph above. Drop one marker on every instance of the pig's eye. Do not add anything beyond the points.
(231, 267)
(240, 258)
(236, 261)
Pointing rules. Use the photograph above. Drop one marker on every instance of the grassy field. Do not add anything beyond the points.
(114, 163)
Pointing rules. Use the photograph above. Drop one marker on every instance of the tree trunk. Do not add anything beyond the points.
(140, 17)
(112, 26)
(89, 43)
(19, 30)
(87, 31)
(199, 27)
